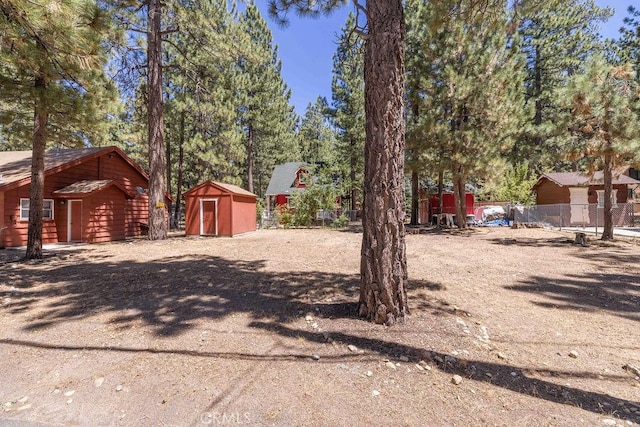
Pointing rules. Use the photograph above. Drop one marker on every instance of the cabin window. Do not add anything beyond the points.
(614, 199)
(47, 209)
(304, 178)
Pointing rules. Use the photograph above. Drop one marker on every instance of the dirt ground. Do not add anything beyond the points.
(260, 329)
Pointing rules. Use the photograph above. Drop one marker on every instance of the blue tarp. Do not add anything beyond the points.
(496, 223)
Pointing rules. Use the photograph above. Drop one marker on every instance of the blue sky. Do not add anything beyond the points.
(306, 47)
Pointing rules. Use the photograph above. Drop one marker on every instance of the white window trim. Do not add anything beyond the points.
(614, 198)
(25, 202)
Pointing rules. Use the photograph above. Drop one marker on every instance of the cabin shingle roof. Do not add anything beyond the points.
(578, 179)
(283, 178)
(16, 165)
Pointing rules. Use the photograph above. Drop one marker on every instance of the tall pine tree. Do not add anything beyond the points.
(465, 100)
(317, 139)
(557, 36)
(604, 102)
(267, 118)
(629, 42)
(347, 89)
(383, 262)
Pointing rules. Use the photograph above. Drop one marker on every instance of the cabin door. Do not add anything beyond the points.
(209, 217)
(579, 199)
(74, 222)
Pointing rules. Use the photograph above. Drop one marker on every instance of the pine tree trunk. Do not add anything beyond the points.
(383, 292)
(352, 174)
(250, 159)
(176, 212)
(537, 120)
(440, 190)
(168, 177)
(157, 220)
(460, 196)
(36, 196)
(607, 234)
(415, 205)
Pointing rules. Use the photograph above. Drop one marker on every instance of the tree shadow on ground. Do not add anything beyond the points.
(172, 294)
(618, 294)
(434, 230)
(533, 242)
(501, 375)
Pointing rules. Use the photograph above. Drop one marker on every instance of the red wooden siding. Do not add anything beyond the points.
(224, 215)
(16, 232)
(301, 175)
(548, 192)
(3, 220)
(103, 216)
(244, 214)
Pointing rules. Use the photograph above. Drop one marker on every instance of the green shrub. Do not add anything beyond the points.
(341, 221)
(284, 216)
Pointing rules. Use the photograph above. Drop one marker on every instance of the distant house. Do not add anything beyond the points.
(286, 180)
(580, 190)
(218, 209)
(90, 195)
(429, 204)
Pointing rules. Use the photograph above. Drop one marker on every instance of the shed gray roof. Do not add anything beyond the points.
(283, 178)
(234, 189)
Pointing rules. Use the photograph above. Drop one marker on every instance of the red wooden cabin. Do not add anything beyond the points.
(217, 209)
(90, 195)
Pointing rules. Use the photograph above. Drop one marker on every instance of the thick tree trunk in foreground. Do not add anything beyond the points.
(383, 293)
(157, 220)
(607, 234)
(36, 196)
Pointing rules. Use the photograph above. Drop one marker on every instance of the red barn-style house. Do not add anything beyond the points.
(217, 209)
(285, 180)
(90, 195)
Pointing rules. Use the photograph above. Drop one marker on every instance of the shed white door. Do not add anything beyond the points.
(209, 217)
(579, 199)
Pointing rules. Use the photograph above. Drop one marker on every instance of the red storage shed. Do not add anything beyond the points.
(218, 209)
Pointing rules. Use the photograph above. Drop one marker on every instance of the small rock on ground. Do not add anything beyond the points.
(457, 379)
